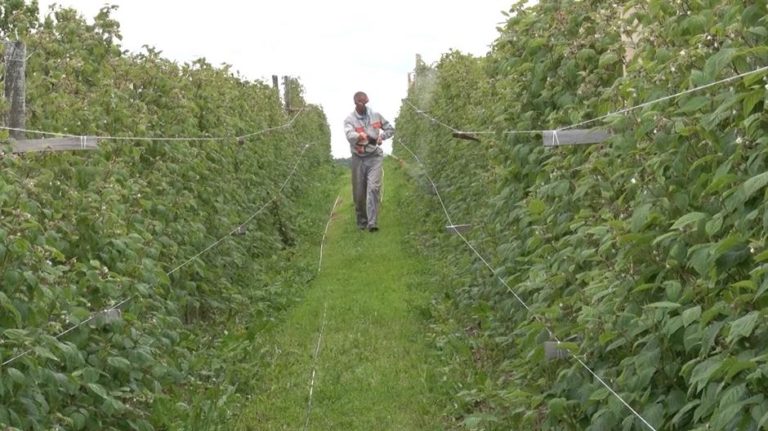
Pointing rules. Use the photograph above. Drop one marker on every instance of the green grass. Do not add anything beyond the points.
(374, 370)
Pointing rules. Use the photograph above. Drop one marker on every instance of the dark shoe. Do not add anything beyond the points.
(373, 229)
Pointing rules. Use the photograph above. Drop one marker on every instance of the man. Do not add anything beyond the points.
(365, 130)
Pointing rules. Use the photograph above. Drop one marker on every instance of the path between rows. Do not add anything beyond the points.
(356, 341)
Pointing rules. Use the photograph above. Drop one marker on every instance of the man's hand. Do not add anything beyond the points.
(378, 140)
(362, 137)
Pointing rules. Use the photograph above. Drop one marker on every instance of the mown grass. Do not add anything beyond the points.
(374, 369)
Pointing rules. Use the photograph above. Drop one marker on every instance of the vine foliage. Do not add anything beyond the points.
(646, 253)
(83, 231)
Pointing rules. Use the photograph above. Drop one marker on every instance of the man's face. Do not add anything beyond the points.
(360, 103)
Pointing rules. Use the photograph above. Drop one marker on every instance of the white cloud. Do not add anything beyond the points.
(335, 47)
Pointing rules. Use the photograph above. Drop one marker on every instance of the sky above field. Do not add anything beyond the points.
(335, 47)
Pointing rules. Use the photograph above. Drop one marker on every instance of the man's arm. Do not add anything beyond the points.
(387, 129)
(353, 136)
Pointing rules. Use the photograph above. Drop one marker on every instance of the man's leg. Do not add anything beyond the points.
(374, 190)
(359, 187)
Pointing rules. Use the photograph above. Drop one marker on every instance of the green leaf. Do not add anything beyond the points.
(691, 315)
(557, 406)
(763, 421)
(754, 184)
(119, 363)
(599, 394)
(680, 415)
(714, 225)
(475, 420)
(703, 373)
(710, 336)
(664, 304)
(734, 366)
(586, 55)
(16, 376)
(715, 310)
(640, 217)
(694, 24)
(743, 327)
(727, 244)
(114, 405)
(45, 353)
(759, 31)
(692, 337)
(694, 104)
(673, 325)
(6, 304)
(672, 288)
(664, 237)
(78, 420)
(536, 206)
(745, 284)
(763, 288)
(723, 416)
(608, 58)
(699, 258)
(716, 63)
(736, 199)
(98, 390)
(751, 99)
(730, 405)
(762, 256)
(687, 219)
(15, 334)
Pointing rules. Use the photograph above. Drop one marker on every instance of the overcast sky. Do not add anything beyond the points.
(335, 47)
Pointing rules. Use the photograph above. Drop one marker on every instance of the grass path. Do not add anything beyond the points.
(360, 317)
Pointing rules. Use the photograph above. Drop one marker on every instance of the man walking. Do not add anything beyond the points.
(365, 130)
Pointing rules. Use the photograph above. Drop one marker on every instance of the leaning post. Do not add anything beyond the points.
(15, 88)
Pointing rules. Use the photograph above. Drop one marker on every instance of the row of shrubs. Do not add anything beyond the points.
(646, 253)
(145, 225)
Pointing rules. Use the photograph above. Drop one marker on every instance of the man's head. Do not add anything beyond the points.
(360, 100)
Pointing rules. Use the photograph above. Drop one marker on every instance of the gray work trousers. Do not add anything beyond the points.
(366, 189)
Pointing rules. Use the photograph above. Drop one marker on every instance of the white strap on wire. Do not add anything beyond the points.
(555, 139)
(520, 300)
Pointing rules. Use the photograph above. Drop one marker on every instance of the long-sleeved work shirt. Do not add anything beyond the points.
(372, 124)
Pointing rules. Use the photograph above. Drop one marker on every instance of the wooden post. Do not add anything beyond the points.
(15, 66)
(630, 36)
(287, 92)
(276, 88)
